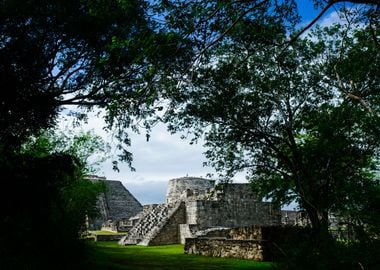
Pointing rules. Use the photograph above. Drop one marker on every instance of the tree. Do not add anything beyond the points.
(84, 53)
(304, 124)
(89, 149)
(209, 23)
(45, 200)
(122, 56)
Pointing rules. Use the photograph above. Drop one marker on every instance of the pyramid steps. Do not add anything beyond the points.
(150, 225)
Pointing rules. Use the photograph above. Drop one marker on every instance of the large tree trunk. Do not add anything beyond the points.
(319, 225)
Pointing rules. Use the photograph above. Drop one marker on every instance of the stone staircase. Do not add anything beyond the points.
(149, 225)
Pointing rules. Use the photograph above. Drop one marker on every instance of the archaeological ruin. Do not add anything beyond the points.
(195, 206)
(116, 206)
(223, 220)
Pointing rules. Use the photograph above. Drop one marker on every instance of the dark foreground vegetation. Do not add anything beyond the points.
(298, 251)
(44, 201)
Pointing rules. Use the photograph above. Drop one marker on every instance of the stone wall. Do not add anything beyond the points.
(121, 203)
(202, 206)
(108, 237)
(116, 204)
(176, 187)
(158, 226)
(294, 218)
(252, 242)
(243, 249)
(234, 206)
(237, 233)
(187, 231)
(148, 223)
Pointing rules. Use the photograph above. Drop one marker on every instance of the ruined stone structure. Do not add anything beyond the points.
(294, 218)
(241, 242)
(212, 220)
(115, 206)
(194, 205)
(260, 243)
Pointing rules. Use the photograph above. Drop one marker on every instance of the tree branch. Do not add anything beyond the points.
(350, 95)
(321, 13)
(308, 26)
(368, 2)
(222, 35)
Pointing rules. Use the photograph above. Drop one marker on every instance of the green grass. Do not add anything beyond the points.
(105, 233)
(111, 256)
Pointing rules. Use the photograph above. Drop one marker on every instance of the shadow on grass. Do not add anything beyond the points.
(111, 256)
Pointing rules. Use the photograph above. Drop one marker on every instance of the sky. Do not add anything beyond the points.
(162, 158)
(166, 156)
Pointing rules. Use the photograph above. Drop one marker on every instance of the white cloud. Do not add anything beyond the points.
(147, 192)
(163, 157)
(332, 18)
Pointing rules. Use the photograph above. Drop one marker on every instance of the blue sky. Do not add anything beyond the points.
(307, 10)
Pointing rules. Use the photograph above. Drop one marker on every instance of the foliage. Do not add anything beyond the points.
(85, 53)
(122, 56)
(354, 255)
(44, 204)
(301, 116)
(303, 123)
(209, 23)
(47, 201)
(89, 149)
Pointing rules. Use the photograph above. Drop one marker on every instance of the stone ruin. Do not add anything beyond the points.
(225, 220)
(196, 206)
(116, 206)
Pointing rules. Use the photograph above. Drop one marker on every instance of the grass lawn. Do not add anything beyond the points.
(111, 256)
(105, 233)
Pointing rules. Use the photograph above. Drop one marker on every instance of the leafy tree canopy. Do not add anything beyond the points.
(86, 53)
(123, 56)
(215, 62)
(89, 149)
(303, 123)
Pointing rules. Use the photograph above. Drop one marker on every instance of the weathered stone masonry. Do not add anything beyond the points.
(223, 220)
(243, 249)
(242, 242)
(251, 242)
(233, 205)
(195, 204)
(115, 205)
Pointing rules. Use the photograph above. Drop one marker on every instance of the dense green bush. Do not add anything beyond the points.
(44, 202)
(295, 249)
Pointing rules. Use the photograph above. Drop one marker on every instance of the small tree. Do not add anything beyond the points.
(46, 217)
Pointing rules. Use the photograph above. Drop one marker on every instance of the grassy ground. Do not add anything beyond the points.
(91, 235)
(105, 233)
(111, 256)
